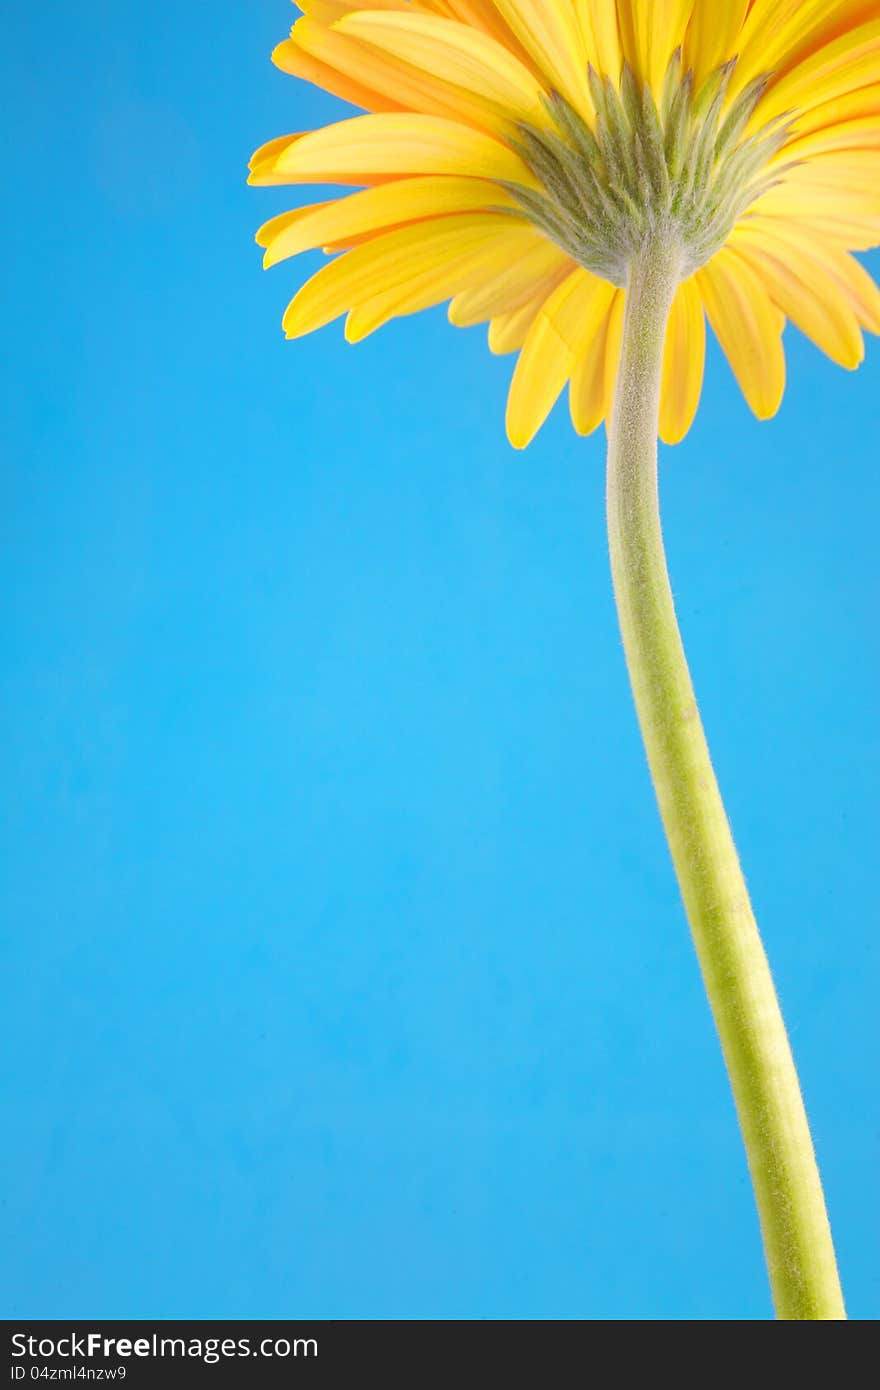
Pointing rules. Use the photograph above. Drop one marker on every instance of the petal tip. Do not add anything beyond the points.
(518, 436)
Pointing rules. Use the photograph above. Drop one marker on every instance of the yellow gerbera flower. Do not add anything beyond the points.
(593, 179)
(516, 148)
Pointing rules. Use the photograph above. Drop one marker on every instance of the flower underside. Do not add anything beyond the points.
(516, 156)
(679, 170)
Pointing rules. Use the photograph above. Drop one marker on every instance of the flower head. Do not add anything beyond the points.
(519, 153)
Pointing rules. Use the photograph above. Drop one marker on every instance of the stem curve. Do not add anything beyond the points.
(788, 1191)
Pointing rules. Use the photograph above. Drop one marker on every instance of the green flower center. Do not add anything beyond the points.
(681, 169)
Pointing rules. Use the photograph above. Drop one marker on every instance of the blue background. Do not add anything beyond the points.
(345, 973)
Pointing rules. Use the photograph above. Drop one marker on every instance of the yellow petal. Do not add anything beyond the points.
(456, 54)
(484, 16)
(805, 193)
(860, 134)
(350, 86)
(328, 11)
(651, 31)
(850, 233)
(262, 162)
(767, 32)
(263, 165)
(601, 36)
(832, 260)
(855, 169)
(801, 288)
(271, 230)
(399, 85)
(861, 291)
(367, 147)
(864, 101)
(748, 327)
(508, 332)
(838, 183)
(562, 328)
(511, 286)
(374, 209)
(713, 36)
(849, 61)
(684, 356)
(397, 259)
(471, 263)
(586, 392)
(845, 210)
(669, 22)
(818, 310)
(552, 35)
(780, 34)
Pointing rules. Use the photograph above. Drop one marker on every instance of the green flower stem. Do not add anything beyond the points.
(794, 1223)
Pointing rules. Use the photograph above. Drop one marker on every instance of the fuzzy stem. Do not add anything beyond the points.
(794, 1224)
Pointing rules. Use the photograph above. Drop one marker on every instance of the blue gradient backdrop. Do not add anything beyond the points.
(345, 973)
